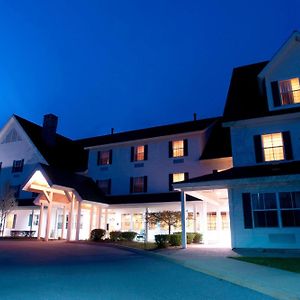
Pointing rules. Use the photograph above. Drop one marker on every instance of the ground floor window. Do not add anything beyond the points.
(225, 220)
(137, 222)
(33, 220)
(11, 221)
(280, 209)
(211, 221)
(126, 222)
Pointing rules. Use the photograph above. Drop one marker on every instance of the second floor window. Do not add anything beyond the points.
(105, 186)
(178, 148)
(17, 166)
(138, 184)
(286, 92)
(104, 157)
(273, 147)
(139, 153)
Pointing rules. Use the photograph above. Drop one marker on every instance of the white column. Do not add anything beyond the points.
(183, 220)
(131, 222)
(41, 221)
(195, 218)
(203, 221)
(70, 220)
(78, 221)
(63, 222)
(91, 218)
(146, 225)
(105, 222)
(100, 218)
(49, 211)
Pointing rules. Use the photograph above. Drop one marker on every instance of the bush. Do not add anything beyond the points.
(197, 238)
(115, 236)
(128, 235)
(97, 234)
(162, 240)
(190, 237)
(175, 239)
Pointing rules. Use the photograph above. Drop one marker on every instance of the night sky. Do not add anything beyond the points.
(130, 64)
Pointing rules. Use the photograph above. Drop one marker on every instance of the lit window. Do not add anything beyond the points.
(177, 177)
(104, 157)
(126, 222)
(178, 148)
(137, 222)
(289, 91)
(138, 184)
(225, 220)
(273, 146)
(17, 166)
(11, 221)
(211, 221)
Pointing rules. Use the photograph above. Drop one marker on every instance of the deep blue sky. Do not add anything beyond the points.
(130, 64)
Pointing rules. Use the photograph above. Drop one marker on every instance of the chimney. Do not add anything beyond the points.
(49, 129)
(195, 117)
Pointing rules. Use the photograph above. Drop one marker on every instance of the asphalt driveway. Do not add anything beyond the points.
(59, 270)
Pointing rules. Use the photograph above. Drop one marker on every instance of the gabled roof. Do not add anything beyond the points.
(266, 170)
(65, 153)
(146, 133)
(85, 186)
(218, 144)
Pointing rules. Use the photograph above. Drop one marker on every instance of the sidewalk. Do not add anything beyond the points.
(277, 283)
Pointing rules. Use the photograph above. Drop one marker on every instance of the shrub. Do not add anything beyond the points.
(97, 234)
(175, 239)
(190, 237)
(115, 236)
(162, 240)
(128, 235)
(197, 238)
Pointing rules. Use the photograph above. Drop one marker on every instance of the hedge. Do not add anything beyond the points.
(128, 235)
(115, 236)
(175, 239)
(162, 240)
(97, 234)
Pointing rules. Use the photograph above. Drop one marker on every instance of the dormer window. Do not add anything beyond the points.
(286, 92)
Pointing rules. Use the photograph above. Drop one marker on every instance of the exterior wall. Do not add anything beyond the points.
(271, 237)
(157, 167)
(243, 151)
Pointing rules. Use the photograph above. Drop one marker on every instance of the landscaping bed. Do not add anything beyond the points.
(288, 264)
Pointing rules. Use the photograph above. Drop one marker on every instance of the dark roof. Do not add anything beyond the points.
(147, 198)
(65, 153)
(85, 186)
(245, 99)
(25, 201)
(148, 132)
(218, 144)
(267, 170)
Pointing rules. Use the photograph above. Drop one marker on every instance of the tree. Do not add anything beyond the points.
(7, 204)
(167, 217)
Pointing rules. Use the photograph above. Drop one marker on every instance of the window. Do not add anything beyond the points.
(290, 209)
(138, 184)
(225, 220)
(137, 222)
(105, 186)
(33, 221)
(104, 157)
(211, 221)
(17, 166)
(178, 148)
(11, 221)
(273, 147)
(126, 222)
(177, 177)
(264, 209)
(286, 92)
(139, 153)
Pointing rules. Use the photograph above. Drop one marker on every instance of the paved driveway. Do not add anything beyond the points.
(58, 270)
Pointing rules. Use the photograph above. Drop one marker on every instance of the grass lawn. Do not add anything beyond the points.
(288, 264)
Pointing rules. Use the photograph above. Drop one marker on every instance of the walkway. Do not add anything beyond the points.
(215, 262)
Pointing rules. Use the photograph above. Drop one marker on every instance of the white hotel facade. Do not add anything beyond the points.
(235, 178)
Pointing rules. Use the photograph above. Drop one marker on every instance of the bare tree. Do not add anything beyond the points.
(167, 217)
(7, 204)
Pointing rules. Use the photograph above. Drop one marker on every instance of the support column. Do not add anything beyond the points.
(131, 221)
(100, 218)
(183, 220)
(195, 218)
(91, 217)
(41, 221)
(63, 222)
(78, 221)
(49, 211)
(146, 225)
(70, 220)
(203, 221)
(105, 222)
